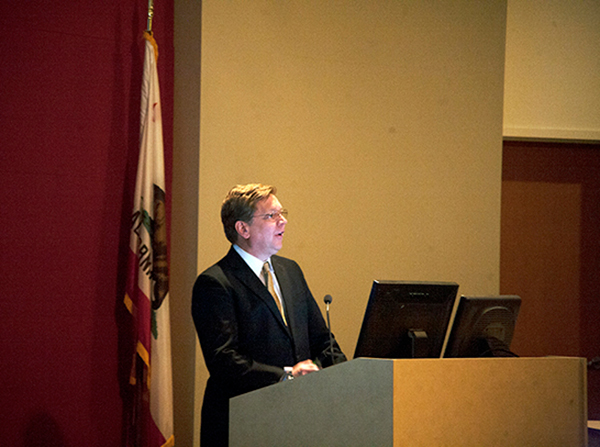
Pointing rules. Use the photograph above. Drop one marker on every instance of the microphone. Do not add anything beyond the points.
(328, 299)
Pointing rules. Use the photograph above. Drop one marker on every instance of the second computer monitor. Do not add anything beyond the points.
(483, 326)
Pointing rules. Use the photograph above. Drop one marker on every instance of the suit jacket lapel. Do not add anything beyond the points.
(240, 269)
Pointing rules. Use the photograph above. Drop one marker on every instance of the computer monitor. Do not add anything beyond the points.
(406, 319)
(483, 327)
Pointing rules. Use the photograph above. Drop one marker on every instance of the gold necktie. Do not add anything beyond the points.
(268, 277)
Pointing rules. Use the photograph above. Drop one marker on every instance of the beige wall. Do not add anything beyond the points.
(552, 85)
(184, 220)
(381, 125)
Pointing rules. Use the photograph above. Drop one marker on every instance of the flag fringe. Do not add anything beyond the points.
(150, 39)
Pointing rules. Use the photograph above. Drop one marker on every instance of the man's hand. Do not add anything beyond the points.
(303, 368)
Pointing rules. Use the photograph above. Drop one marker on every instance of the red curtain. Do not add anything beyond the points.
(70, 80)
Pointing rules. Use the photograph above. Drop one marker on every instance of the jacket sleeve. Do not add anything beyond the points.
(316, 331)
(214, 314)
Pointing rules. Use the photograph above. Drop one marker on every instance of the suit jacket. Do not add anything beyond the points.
(244, 340)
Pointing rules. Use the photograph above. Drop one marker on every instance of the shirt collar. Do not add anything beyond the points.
(255, 264)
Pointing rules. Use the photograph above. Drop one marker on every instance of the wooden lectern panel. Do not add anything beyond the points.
(490, 402)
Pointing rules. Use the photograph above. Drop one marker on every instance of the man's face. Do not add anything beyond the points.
(265, 235)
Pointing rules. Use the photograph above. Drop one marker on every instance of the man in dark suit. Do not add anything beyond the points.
(253, 310)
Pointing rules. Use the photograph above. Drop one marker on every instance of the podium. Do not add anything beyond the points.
(420, 402)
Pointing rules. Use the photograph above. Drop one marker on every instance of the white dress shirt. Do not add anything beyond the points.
(256, 265)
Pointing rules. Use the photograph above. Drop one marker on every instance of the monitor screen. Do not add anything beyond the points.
(406, 319)
(483, 327)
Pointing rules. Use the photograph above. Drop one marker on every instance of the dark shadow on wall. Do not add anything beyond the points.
(43, 431)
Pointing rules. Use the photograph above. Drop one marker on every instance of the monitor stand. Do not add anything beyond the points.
(418, 339)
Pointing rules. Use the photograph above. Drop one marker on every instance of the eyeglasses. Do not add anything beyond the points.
(274, 216)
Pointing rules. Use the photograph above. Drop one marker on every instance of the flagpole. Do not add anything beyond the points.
(150, 16)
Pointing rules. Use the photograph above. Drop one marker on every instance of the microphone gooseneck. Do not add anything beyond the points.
(328, 299)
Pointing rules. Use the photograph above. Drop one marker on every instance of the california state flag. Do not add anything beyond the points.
(147, 290)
